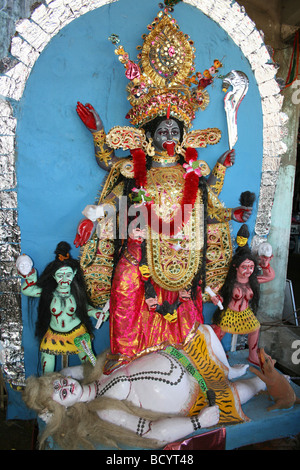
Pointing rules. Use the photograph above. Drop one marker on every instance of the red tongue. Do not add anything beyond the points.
(169, 146)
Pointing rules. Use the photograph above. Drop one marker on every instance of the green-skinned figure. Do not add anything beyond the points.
(63, 325)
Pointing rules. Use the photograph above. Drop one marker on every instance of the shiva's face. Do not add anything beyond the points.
(66, 391)
(167, 133)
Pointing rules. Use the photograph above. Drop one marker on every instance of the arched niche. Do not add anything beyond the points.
(61, 54)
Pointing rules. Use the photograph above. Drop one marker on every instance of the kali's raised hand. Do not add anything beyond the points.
(89, 116)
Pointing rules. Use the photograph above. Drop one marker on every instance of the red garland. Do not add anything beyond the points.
(188, 199)
(191, 154)
(139, 167)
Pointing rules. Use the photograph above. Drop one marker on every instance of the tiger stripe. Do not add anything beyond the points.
(202, 357)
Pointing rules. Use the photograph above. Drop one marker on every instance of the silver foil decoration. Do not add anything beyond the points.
(23, 51)
(239, 82)
(32, 35)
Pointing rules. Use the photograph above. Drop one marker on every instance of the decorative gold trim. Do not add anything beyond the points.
(203, 98)
(200, 138)
(126, 138)
(99, 137)
(166, 50)
(219, 174)
(218, 255)
(126, 169)
(205, 170)
(163, 157)
(150, 150)
(103, 154)
(171, 269)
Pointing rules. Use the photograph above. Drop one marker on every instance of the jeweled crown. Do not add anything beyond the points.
(165, 81)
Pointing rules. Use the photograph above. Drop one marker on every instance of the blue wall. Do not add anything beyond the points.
(56, 170)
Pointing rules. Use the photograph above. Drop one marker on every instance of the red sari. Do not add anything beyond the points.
(134, 329)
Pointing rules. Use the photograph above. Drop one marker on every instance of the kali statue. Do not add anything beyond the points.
(148, 403)
(63, 325)
(150, 244)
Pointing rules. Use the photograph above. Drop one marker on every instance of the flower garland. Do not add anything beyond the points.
(191, 177)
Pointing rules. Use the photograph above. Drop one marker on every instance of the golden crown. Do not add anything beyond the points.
(165, 81)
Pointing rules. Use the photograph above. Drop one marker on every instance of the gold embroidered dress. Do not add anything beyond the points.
(134, 328)
(173, 263)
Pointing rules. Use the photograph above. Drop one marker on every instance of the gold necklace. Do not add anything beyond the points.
(163, 157)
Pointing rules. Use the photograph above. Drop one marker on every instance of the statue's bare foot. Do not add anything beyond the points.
(237, 371)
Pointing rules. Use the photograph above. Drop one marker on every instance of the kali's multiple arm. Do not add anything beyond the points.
(106, 158)
(215, 183)
(93, 214)
(104, 154)
(216, 178)
(218, 213)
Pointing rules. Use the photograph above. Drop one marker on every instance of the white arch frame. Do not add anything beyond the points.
(32, 35)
